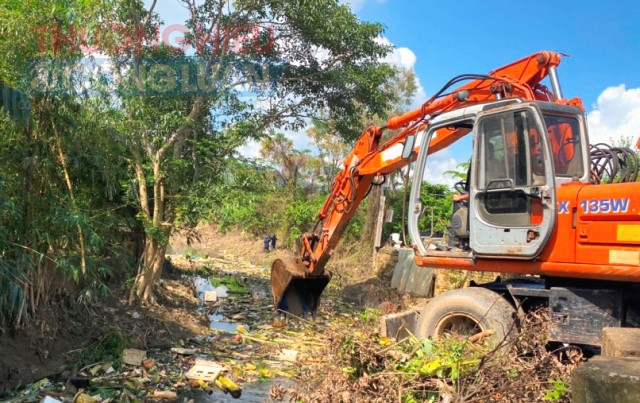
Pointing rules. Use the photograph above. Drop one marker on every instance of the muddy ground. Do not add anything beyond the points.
(339, 357)
(49, 345)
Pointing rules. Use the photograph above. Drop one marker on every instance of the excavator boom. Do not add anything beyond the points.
(298, 284)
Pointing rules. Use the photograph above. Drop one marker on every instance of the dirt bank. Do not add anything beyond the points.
(50, 343)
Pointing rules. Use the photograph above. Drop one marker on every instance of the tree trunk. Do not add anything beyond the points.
(150, 270)
(157, 235)
(373, 202)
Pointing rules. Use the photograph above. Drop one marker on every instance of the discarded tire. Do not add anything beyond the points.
(467, 312)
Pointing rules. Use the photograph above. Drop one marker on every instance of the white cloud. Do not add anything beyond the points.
(437, 165)
(251, 149)
(300, 139)
(615, 115)
(357, 5)
(420, 96)
(400, 57)
(405, 58)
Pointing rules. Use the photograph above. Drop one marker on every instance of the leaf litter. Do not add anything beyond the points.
(340, 357)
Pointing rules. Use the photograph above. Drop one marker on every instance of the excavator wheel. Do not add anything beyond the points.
(294, 290)
(467, 312)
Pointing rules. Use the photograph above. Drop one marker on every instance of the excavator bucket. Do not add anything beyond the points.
(293, 290)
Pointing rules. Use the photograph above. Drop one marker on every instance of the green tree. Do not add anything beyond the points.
(63, 214)
(289, 162)
(348, 82)
(332, 150)
(435, 199)
(460, 172)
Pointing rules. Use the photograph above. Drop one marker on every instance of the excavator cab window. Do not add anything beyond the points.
(507, 167)
(564, 138)
(511, 203)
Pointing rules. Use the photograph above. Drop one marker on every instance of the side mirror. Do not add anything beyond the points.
(409, 142)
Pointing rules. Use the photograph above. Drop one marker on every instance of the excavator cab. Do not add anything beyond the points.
(511, 210)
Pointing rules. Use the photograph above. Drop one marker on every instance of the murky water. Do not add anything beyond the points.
(219, 322)
(251, 392)
(204, 284)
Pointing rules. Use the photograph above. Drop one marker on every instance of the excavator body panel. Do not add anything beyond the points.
(608, 224)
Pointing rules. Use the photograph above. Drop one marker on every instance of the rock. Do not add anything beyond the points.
(183, 351)
(620, 342)
(133, 356)
(210, 296)
(49, 399)
(607, 379)
(288, 355)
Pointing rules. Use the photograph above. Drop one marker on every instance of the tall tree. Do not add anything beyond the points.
(167, 140)
(289, 162)
(63, 212)
(333, 150)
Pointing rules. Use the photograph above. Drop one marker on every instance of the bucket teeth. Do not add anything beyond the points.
(294, 291)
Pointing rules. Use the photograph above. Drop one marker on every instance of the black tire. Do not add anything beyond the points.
(466, 312)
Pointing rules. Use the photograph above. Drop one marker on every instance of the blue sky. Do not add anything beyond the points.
(471, 36)
(441, 39)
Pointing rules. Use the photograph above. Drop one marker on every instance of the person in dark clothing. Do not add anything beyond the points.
(273, 241)
(267, 239)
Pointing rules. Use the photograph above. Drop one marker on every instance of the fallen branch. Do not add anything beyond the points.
(479, 336)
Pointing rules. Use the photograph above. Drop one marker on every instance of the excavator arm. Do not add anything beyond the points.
(298, 284)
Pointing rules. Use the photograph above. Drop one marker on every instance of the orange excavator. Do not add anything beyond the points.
(537, 206)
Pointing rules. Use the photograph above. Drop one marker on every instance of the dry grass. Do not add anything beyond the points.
(366, 367)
